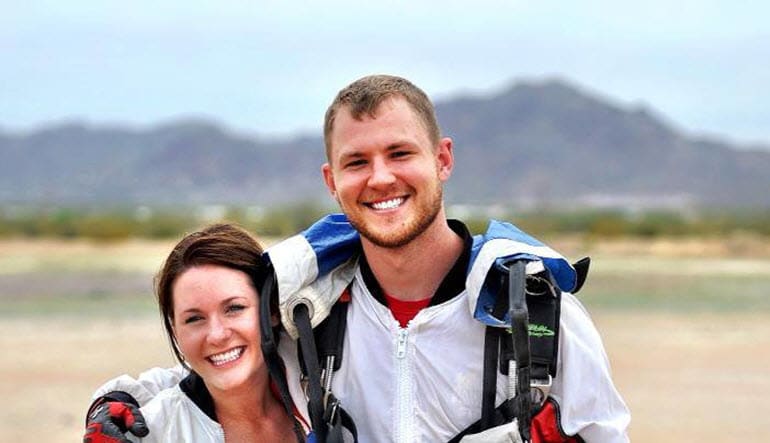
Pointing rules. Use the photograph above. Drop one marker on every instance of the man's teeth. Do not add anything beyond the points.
(225, 357)
(388, 204)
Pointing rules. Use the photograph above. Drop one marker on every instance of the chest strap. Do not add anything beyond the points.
(320, 352)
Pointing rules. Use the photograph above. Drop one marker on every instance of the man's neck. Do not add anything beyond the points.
(415, 270)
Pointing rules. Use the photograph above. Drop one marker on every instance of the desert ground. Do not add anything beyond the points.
(685, 325)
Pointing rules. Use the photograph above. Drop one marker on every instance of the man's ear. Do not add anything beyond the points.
(326, 170)
(445, 158)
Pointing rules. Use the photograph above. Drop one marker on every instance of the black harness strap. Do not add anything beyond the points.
(520, 335)
(269, 345)
(489, 389)
(315, 391)
(330, 333)
(492, 351)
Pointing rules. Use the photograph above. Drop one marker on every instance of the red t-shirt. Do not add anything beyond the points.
(403, 311)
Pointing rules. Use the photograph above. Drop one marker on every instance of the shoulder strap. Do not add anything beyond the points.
(320, 352)
(330, 333)
(269, 344)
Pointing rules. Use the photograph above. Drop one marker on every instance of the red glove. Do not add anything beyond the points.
(109, 421)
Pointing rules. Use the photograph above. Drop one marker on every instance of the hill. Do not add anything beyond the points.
(540, 143)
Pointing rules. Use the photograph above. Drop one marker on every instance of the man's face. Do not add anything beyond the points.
(386, 174)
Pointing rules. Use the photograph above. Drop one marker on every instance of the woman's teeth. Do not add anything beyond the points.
(226, 357)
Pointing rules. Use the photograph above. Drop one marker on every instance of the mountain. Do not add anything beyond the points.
(537, 143)
(190, 161)
(551, 143)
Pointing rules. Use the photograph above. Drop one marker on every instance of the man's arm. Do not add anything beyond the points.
(114, 411)
(146, 386)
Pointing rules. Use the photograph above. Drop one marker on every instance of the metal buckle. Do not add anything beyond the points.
(301, 301)
(540, 389)
(547, 286)
(330, 411)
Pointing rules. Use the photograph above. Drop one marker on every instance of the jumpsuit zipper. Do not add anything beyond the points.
(404, 408)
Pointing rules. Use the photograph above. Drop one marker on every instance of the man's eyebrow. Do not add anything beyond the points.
(397, 145)
(351, 154)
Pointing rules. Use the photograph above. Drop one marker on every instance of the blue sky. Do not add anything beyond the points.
(271, 67)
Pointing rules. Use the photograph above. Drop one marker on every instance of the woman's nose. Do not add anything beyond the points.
(219, 331)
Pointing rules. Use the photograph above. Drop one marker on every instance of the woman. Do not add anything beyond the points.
(209, 303)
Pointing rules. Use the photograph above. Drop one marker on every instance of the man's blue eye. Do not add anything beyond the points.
(355, 163)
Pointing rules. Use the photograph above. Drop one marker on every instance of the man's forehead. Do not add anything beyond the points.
(393, 118)
(388, 103)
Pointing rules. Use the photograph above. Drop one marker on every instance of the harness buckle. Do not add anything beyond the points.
(330, 412)
(540, 389)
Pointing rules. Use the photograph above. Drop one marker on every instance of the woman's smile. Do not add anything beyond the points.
(224, 358)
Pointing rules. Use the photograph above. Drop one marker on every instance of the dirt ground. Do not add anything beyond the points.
(691, 378)
(687, 377)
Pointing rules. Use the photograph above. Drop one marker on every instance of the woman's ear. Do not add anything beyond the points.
(275, 320)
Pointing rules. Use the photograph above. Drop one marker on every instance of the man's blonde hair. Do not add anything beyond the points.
(365, 95)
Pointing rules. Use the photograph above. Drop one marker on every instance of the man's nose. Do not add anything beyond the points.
(382, 174)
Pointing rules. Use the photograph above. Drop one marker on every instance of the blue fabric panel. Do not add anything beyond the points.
(333, 240)
(561, 271)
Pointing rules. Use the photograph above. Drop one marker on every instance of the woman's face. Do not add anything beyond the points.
(216, 324)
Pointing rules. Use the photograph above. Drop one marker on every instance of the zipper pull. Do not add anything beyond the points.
(401, 344)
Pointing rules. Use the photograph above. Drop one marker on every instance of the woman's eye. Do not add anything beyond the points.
(235, 308)
(192, 319)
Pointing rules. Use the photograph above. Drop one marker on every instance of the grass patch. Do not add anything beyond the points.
(678, 293)
(81, 279)
(79, 305)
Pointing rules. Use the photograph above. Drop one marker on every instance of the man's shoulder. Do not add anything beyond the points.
(167, 400)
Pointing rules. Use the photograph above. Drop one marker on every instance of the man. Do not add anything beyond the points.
(412, 366)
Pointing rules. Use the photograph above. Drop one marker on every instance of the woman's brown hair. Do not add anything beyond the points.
(219, 244)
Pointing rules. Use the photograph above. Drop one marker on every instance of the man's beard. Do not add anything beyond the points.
(401, 236)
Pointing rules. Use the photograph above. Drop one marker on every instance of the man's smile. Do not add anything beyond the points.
(391, 203)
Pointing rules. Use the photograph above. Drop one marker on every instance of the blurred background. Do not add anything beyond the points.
(638, 134)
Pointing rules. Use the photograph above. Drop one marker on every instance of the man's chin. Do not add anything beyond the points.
(393, 233)
(388, 237)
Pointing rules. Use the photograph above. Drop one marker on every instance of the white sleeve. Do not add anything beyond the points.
(147, 386)
(589, 403)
